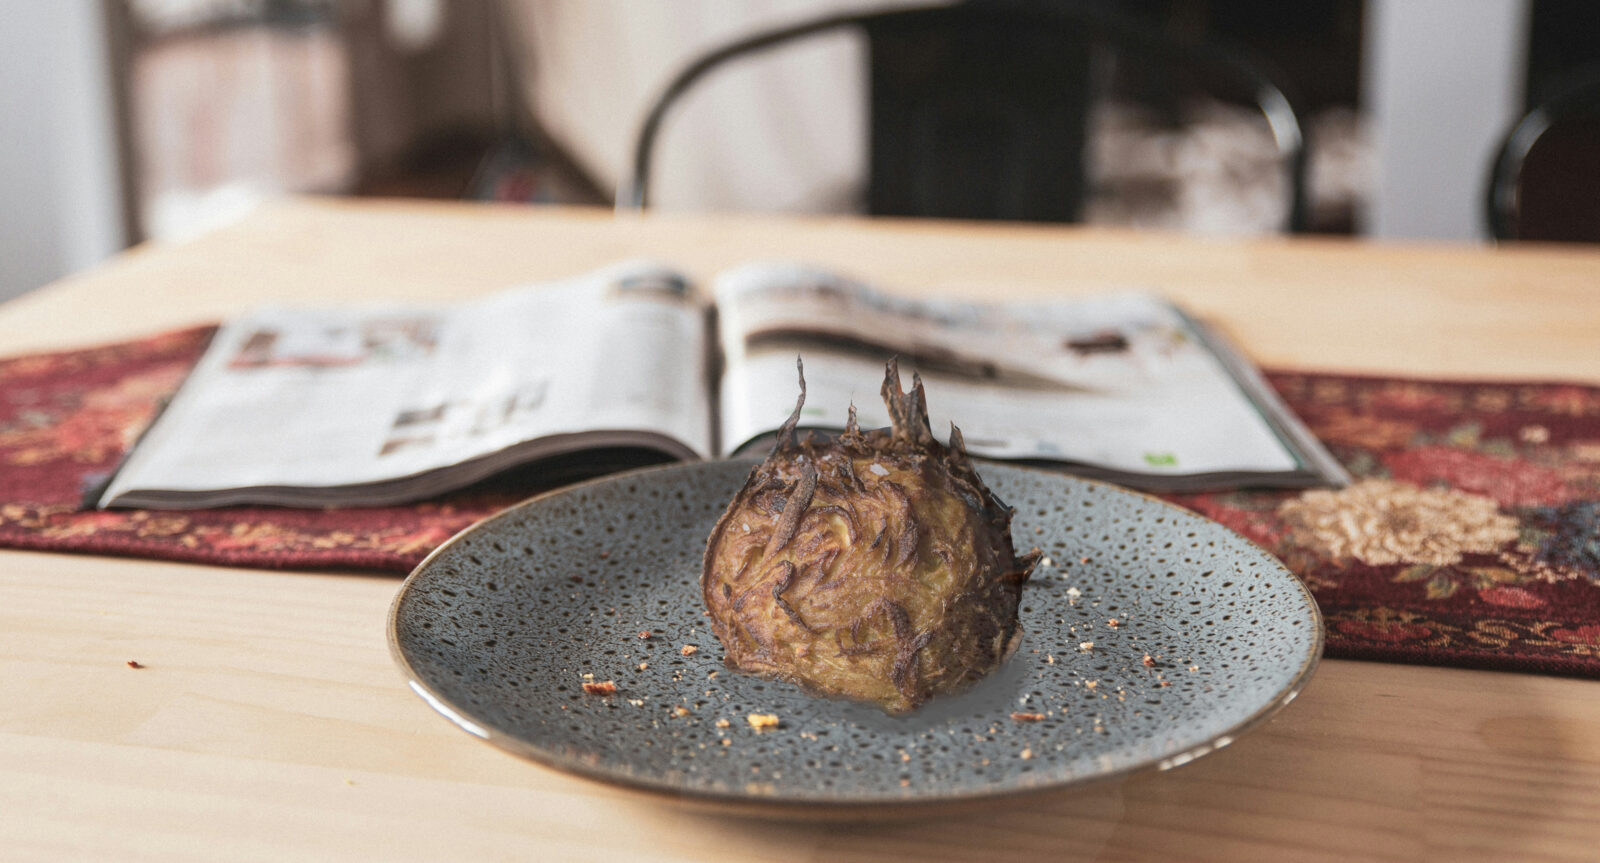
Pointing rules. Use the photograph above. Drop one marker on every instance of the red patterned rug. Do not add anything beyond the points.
(1472, 537)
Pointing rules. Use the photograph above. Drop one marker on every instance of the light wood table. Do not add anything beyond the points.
(269, 723)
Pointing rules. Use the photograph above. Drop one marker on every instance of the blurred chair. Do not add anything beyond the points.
(1545, 181)
(981, 110)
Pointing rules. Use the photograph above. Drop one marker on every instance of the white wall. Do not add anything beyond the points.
(60, 205)
(1443, 83)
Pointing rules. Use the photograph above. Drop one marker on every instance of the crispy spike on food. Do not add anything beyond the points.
(958, 449)
(875, 565)
(786, 431)
(908, 411)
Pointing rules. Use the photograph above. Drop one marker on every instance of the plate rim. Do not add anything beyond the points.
(848, 808)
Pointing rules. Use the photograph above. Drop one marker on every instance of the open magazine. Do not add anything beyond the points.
(632, 365)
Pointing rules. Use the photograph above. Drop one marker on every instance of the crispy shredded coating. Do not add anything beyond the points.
(875, 566)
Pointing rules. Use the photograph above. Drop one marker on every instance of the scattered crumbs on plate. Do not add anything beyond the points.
(605, 687)
(680, 711)
(644, 633)
(1149, 661)
(1113, 623)
(762, 721)
(688, 650)
(643, 665)
(1086, 646)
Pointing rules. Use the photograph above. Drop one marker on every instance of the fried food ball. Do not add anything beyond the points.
(875, 566)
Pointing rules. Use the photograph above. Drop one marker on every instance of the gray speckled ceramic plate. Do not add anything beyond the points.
(500, 628)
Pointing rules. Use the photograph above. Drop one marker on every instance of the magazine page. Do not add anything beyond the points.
(1123, 383)
(325, 398)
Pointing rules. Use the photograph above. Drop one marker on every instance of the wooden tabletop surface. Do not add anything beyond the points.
(269, 723)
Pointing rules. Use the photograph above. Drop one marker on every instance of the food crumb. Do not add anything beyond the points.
(1194, 668)
(605, 687)
(644, 633)
(1086, 646)
(762, 721)
(905, 783)
(905, 756)
(1113, 623)
(636, 702)
(688, 650)
(1090, 684)
(588, 676)
(1148, 661)
(1050, 659)
(723, 723)
(643, 665)
(1027, 754)
(1163, 683)
(680, 710)
(727, 742)
(134, 663)
(1027, 717)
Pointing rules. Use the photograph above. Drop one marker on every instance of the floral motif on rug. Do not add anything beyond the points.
(1470, 538)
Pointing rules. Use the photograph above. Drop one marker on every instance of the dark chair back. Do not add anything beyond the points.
(980, 110)
(1545, 181)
